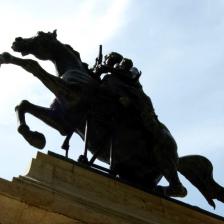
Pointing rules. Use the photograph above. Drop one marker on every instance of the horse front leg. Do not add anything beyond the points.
(47, 115)
(34, 138)
(55, 84)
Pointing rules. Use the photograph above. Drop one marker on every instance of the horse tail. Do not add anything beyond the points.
(199, 171)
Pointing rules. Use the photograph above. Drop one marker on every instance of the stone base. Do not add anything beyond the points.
(58, 191)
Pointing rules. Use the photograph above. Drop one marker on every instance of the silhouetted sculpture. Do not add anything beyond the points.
(117, 112)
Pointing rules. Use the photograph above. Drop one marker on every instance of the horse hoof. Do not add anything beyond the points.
(176, 191)
(83, 159)
(34, 138)
(182, 191)
(159, 190)
(38, 140)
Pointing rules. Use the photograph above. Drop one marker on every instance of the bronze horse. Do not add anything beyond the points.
(136, 157)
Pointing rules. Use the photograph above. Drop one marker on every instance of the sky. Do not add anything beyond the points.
(178, 46)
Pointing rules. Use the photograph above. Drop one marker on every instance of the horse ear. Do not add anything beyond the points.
(39, 33)
(54, 34)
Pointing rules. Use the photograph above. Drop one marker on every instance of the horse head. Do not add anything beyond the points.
(41, 45)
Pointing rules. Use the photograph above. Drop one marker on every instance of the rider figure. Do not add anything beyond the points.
(126, 72)
(108, 65)
(123, 81)
(115, 64)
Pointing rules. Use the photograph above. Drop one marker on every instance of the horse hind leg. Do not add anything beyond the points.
(34, 138)
(175, 188)
(167, 158)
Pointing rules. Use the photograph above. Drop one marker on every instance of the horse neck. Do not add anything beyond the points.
(65, 60)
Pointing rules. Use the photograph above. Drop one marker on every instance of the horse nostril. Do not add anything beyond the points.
(19, 38)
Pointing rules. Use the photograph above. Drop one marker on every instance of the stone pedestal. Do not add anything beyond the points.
(58, 191)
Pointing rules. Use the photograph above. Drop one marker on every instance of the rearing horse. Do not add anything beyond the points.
(79, 97)
(67, 87)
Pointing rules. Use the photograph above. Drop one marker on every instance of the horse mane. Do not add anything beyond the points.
(86, 66)
(76, 53)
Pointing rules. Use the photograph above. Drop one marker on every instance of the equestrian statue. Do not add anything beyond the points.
(107, 107)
